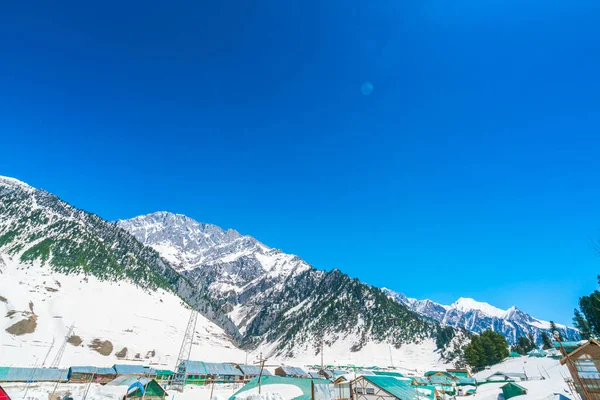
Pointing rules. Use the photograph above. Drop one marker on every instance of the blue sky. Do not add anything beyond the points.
(469, 167)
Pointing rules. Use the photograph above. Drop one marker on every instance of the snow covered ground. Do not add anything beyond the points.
(149, 324)
(538, 389)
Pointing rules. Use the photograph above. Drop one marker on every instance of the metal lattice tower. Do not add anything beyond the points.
(61, 351)
(184, 353)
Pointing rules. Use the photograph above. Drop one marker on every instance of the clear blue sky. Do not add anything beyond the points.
(471, 169)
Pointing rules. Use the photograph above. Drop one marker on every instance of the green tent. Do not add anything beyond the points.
(512, 389)
(146, 387)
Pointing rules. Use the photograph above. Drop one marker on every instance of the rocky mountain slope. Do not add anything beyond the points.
(38, 227)
(277, 300)
(476, 316)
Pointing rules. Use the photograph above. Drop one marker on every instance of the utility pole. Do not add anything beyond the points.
(260, 361)
(184, 352)
(322, 355)
(61, 351)
(48, 353)
(391, 359)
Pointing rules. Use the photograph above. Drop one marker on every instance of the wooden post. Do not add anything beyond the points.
(261, 361)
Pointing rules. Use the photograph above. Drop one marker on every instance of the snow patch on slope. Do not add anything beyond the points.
(122, 313)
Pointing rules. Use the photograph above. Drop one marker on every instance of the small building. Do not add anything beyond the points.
(250, 372)
(499, 377)
(164, 376)
(512, 389)
(201, 373)
(374, 387)
(3, 394)
(133, 369)
(459, 372)
(290, 372)
(91, 374)
(514, 354)
(146, 388)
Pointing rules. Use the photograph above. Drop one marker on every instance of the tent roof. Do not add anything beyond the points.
(513, 384)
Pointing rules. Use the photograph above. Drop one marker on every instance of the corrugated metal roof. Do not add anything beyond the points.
(15, 374)
(401, 389)
(314, 374)
(440, 380)
(467, 381)
(203, 368)
(126, 369)
(388, 373)
(253, 370)
(293, 370)
(222, 369)
(92, 370)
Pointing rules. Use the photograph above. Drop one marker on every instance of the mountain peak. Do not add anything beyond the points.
(467, 304)
(14, 183)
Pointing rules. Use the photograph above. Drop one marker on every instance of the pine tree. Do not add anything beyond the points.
(486, 349)
(554, 329)
(582, 324)
(547, 343)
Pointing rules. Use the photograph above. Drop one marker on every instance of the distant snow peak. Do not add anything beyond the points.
(476, 316)
(466, 304)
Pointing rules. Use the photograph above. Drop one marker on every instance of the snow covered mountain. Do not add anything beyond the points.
(278, 301)
(477, 316)
(60, 265)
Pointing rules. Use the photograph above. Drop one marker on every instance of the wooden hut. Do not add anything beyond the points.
(251, 371)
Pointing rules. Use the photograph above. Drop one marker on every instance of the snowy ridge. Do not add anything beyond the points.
(477, 316)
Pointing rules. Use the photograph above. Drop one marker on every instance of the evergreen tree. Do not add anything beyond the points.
(582, 324)
(486, 349)
(524, 345)
(547, 343)
(554, 329)
(590, 308)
